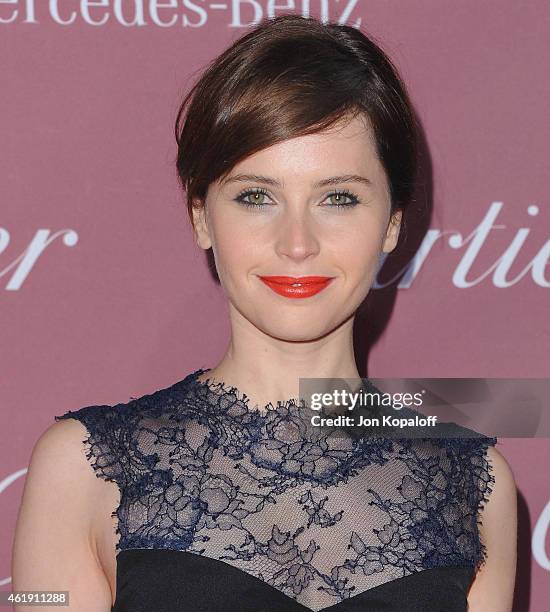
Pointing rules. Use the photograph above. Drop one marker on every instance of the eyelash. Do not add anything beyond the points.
(344, 192)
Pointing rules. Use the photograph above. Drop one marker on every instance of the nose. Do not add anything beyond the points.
(296, 237)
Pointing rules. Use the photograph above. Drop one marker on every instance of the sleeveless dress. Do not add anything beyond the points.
(228, 508)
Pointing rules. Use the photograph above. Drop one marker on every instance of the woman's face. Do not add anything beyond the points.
(294, 227)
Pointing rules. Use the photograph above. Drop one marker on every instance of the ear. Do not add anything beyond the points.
(202, 235)
(392, 233)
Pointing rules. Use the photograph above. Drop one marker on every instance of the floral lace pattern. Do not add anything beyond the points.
(321, 517)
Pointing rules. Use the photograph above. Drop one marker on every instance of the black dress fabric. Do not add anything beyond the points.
(225, 507)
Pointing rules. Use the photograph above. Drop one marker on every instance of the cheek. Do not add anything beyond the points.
(359, 248)
(235, 251)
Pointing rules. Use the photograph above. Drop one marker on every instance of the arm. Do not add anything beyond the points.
(493, 587)
(53, 546)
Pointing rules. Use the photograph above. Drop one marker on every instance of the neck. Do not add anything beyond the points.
(269, 369)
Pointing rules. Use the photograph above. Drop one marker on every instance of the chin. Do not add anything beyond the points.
(299, 332)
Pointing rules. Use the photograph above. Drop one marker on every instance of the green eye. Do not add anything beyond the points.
(338, 199)
(256, 201)
(257, 198)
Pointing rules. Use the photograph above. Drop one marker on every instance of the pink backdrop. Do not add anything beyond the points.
(106, 297)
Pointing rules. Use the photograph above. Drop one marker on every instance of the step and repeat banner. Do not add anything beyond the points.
(104, 294)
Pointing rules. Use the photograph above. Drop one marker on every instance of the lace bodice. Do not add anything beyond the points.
(319, 517)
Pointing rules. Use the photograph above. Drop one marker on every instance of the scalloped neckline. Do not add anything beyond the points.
(223, 390)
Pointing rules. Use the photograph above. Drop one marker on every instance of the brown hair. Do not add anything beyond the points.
(288, 77)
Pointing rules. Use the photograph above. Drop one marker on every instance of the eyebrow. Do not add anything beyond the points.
(332, 180)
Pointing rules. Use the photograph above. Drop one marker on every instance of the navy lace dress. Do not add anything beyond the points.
(225, 508)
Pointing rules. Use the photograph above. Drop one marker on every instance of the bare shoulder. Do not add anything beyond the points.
(62, 444)
(493, 586)
(58, 460)
(53, 546)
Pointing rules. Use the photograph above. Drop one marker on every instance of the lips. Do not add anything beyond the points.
(296, 287)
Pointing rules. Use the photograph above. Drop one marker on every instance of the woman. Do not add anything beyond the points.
(297, 151)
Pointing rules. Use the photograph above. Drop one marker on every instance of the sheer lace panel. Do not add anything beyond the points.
(319, 517)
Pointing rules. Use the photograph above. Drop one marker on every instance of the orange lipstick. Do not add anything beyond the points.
(297, 287)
